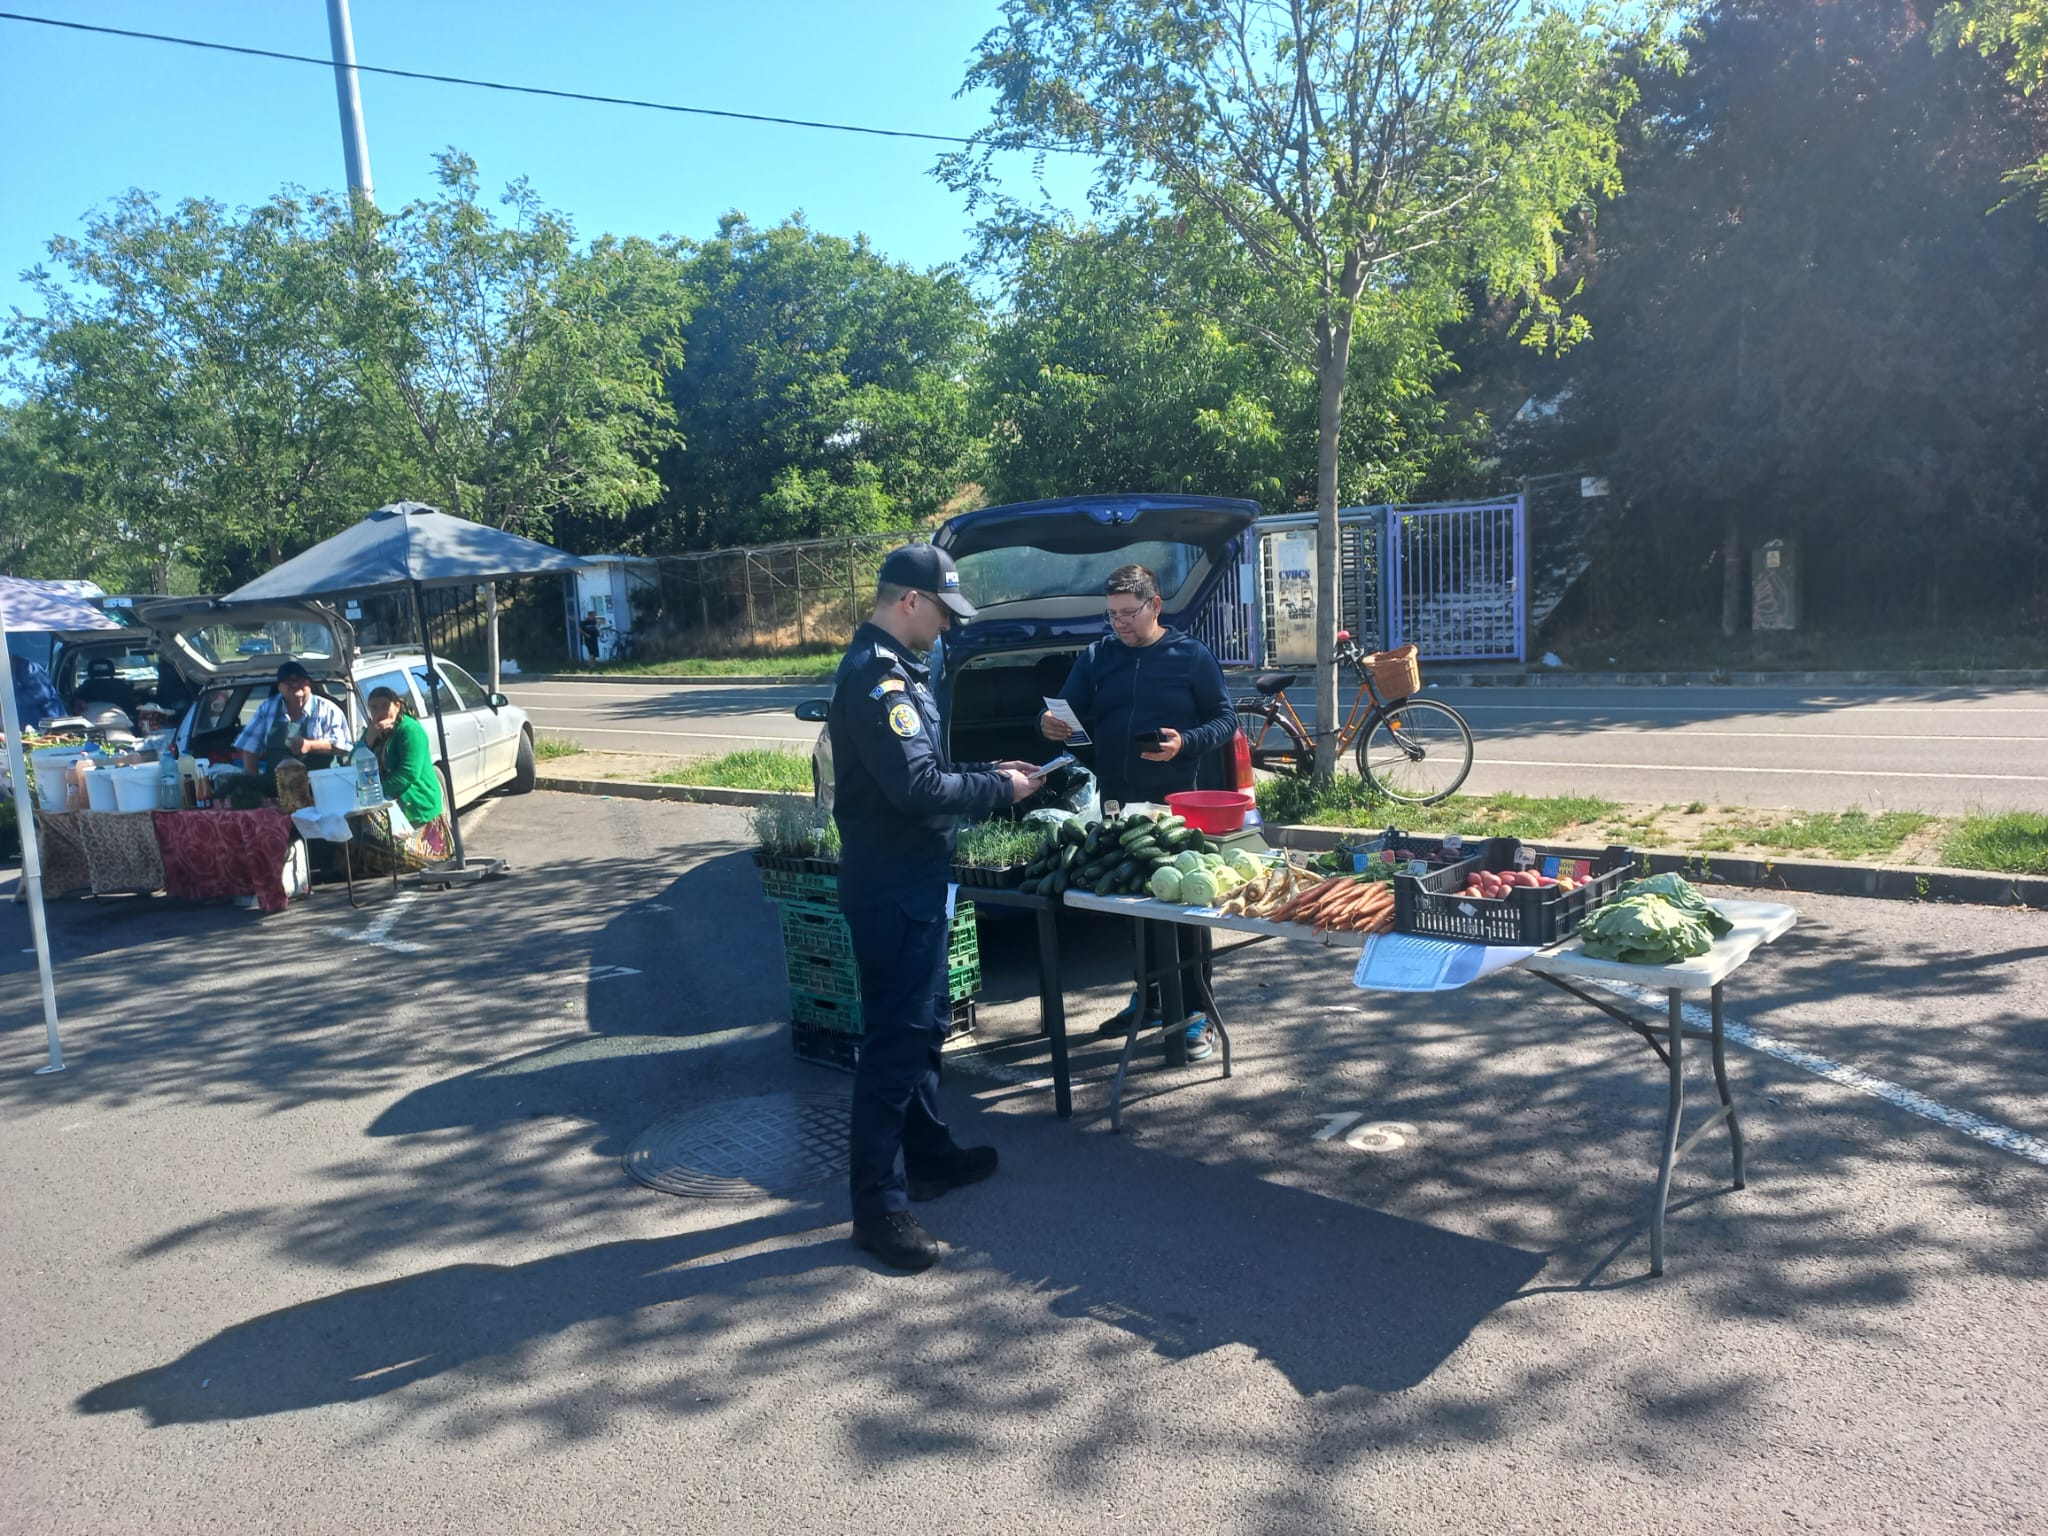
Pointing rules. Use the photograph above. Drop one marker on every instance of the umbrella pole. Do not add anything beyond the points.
(419, 613)
(31, 855)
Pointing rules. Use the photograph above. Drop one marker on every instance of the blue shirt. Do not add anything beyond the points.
(323, 721)
(35, 693)
(1119, 690)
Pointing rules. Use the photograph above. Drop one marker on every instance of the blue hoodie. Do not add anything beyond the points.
(1119, 690)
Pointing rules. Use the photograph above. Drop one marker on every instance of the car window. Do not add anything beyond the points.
(452, 697)
(1019, 572)
(467, 686)
(217, 643)
(395, 681)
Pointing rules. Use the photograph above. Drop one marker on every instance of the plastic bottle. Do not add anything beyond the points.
(170, 789)
(188, 774)
(369, 781)
(202, 790)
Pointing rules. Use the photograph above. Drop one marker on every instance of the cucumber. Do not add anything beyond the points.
(1092, 844)
(1172, 823)
(1059, 882)
(1146, 849)
(1072, 834)
(1137, 833)
(1126, 870)
(1029, 888)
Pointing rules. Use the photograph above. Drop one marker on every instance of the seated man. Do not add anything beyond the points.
(294, 722)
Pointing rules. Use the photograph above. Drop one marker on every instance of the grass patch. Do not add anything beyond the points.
(755, 768)
(1346, 801)
(823, 664)
(2012, 844)
(1839, 834)
(547, 748)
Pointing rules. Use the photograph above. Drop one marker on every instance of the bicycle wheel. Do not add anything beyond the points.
(1416, 751)
(1291, 754)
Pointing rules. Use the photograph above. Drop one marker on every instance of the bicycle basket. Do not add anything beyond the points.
(1396, 674)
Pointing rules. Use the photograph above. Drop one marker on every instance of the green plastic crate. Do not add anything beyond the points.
(801, 885)
(808, 929)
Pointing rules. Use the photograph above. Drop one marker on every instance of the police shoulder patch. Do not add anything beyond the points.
(903, 719)
(887, 685)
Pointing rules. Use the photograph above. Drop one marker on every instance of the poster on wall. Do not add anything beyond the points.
(1291, 557)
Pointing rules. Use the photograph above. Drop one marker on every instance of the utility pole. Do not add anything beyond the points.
(355, 147)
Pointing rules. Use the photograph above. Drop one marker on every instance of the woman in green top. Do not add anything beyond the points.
(406, 764)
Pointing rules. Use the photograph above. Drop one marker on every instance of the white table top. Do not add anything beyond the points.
(1209, 917)
(1756, 922)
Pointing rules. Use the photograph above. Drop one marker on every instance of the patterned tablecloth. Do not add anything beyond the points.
(225, 853)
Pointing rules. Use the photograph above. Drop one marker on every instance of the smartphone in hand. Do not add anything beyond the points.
(1045, 768)
(1149, 741)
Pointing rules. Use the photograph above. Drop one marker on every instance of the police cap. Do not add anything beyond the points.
(927, 568)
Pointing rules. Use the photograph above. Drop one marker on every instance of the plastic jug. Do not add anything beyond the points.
(170, 788)
(369, 781)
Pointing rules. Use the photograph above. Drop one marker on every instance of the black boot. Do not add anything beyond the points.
(897, 1240)
(963, 1165)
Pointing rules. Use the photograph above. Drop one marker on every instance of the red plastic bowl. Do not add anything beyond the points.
(1211, 810)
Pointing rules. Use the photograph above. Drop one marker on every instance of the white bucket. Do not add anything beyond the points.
(51, 765)
(135, 787)
(99, 790)
(334, 790)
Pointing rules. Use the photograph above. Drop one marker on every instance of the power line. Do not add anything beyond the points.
(499, 85)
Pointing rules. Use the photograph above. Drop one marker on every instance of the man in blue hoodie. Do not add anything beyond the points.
(1153, 702)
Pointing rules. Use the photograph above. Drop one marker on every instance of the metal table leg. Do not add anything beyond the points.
(1141, 976)
(1173, 998)
(1674, 1049)
(1727, 1098)
(1052, 1008)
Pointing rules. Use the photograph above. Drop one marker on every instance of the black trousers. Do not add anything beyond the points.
(896, 1085)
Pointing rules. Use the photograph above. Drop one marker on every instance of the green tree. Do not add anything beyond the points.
(1133, 358)
(185, 375)
(1806, 326)
(1372, 156)
(824, 389)
(2017, 31)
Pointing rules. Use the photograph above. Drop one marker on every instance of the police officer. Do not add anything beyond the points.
(897, 803)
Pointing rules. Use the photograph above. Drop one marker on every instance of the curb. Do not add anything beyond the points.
(637, 789)
(752, 679)
(1813, 877)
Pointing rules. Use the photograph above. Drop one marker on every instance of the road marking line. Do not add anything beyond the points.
(612, 730)
(2003, 1137)
(379, 931)
(1832, 773)
(1666, 732)
(1930, 708)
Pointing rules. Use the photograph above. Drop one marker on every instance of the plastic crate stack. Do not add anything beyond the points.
(824, 983)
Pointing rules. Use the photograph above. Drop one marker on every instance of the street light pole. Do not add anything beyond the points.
(355, 147)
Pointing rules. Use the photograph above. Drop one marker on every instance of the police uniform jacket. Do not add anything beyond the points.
(896, 798)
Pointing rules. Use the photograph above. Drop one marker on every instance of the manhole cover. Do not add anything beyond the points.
(774, 1144)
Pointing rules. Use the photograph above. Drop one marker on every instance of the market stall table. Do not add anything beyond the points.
(215, 853)
(1564, 965)
(336, 828)
(1052, 1001)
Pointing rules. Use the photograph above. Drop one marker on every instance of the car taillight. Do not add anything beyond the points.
(1241, 763)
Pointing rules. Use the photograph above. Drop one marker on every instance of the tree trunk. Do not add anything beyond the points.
(1731, 574)
(1333, 360)
(491, 630)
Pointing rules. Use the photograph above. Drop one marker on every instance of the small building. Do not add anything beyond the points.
(614, 587)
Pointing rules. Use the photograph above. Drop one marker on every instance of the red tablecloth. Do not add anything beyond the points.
(225, 853)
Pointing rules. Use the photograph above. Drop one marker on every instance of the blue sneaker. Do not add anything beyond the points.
(1120, 1023)
(1201, 1039)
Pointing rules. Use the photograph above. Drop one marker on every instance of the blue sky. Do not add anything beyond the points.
(87, 117)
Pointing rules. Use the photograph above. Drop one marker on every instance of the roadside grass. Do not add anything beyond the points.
(2015, 843)
(754, 768)
(1853, 834)
(1347, 801)
(823, 664)
(547, 748)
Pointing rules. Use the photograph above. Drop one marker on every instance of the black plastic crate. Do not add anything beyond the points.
(1431, 904)
(826, 1047)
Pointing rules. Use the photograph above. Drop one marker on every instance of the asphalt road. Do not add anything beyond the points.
(325, 1230)
(1947, 751)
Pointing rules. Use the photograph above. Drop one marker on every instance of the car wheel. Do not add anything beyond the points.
(525, 772)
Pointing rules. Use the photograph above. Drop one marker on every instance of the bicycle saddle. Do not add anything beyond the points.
(1270, 683)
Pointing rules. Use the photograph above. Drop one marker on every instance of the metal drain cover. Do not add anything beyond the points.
(773, 1144)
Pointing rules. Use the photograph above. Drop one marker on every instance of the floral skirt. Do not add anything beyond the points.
(426, 845)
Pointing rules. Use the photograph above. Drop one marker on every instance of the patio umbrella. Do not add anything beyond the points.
(410, 545)
(32, 606)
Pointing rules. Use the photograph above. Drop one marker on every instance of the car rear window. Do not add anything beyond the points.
(1020, 572)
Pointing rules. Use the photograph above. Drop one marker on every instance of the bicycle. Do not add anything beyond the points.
(1413, 750)
(612, 645)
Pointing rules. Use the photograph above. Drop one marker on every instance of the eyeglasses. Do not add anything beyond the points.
(1126, 615)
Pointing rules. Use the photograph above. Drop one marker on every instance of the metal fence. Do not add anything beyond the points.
(759, 601)
(1452, 578)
